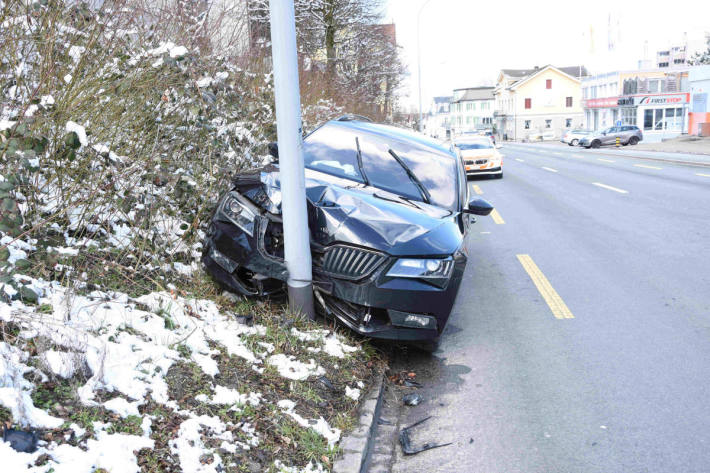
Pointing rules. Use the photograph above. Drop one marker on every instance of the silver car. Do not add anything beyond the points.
(572, 137)
(627, 135)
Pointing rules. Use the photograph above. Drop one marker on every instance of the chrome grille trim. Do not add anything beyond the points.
(348, 262)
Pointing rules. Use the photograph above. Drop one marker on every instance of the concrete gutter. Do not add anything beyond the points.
(357, 446)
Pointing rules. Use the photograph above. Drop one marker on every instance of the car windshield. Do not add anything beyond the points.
(332, 149)
(474, 145)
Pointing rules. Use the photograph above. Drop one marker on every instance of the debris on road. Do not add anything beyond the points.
(406, 442)
(412, 399)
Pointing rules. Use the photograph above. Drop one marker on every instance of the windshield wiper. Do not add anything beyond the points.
(359, 162)
(412, 176)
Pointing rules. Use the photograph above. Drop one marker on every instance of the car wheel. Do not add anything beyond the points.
(573, 142)
(498, 176)
(596, 144)
(626, 144)
(634, 140)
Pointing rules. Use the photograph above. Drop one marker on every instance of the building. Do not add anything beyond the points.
(472, 110)
(676, 56)
(436, 122)
(538, 102)
(699, 114)
(655, 100)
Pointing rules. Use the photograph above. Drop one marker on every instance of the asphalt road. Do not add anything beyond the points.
(605, 367)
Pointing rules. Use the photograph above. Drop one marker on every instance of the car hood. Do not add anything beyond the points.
(342, 211)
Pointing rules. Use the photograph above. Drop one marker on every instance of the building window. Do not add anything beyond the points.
(628, 115)
(468, 120)
(528, 103)
(662, 64)
(527, 124)
(548, 84)
(568, 122)
(468, 107)
(678, 61)
(548, 123)
(568, 101)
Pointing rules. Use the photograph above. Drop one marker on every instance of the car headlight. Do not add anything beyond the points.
(238, 213)
(436, 271)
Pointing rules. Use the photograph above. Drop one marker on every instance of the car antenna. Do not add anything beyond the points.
(412, 176)
(359, 162)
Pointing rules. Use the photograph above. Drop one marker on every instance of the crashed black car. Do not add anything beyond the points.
(387, 215)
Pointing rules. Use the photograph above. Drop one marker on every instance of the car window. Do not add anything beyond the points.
(474, 145)
(437, 173)
(332, 150)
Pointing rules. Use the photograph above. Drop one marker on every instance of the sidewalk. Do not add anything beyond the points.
(670, 151)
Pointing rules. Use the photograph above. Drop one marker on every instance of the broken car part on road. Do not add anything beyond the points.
(388, 213)
(406, 442)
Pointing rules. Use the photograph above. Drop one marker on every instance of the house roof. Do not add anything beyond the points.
(573, 71)
(473, 93)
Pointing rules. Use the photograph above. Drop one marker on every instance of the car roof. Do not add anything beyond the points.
(392, 133)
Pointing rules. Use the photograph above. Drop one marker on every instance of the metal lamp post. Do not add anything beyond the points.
(419, 62)
(292, 174)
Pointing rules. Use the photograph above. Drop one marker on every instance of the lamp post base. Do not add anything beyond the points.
(300, 299)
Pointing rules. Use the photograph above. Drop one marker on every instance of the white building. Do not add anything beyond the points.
(472, 109)
(436, 122)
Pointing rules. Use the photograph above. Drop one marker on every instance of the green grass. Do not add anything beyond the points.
(130, 425)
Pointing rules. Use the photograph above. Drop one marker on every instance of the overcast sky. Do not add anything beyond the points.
(465, 43)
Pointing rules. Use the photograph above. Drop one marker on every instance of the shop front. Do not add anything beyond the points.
(600, 113)
(660, 116)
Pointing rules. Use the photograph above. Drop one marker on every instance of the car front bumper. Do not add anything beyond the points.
(375, 306)
(484, 172)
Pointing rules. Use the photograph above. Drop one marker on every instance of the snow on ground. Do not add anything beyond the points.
(126, 346)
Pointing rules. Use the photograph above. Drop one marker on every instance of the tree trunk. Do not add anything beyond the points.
(330, 30)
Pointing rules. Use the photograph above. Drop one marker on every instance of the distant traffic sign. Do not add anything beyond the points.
(618, 123)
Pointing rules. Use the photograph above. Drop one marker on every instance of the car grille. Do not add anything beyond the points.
(348, 262)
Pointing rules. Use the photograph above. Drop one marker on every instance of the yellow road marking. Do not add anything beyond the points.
(606, 160)
(701, 174)
(554, 301)
(497, 218)
(477, 189)
(647, 167)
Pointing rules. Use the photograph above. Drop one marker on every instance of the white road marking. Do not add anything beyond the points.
(615, 189)
(549, 169)
(558, 154)
(606, 160)
(577, 156)
(520, 160)
(646, 167)
(701, 174)
(485, 233)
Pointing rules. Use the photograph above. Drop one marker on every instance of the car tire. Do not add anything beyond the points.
(498, 176)
(634, 140)
(626, 144)
(596, 144)
(574, 142)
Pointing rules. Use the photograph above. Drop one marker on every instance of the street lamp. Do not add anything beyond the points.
(419, 61)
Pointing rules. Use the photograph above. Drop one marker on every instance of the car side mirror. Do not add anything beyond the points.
(478, 206)
(274, 149)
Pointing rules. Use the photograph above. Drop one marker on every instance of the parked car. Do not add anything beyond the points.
(388, 214)
(572, 137)
(627, 134)
(480, 156)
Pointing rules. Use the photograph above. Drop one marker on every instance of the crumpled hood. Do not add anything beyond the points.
(340, 211)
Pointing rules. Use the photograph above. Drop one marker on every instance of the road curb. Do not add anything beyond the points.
(356, 447)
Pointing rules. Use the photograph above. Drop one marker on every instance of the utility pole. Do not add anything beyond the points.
(292, 174)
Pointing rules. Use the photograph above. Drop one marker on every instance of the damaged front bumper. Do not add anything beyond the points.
(351, 283)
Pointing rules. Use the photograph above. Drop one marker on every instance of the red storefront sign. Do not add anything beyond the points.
(606, 102)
